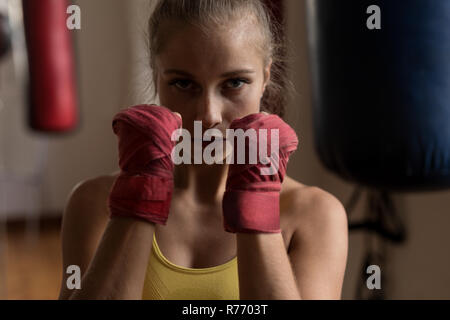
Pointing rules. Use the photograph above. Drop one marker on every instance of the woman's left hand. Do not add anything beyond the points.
(251, 200)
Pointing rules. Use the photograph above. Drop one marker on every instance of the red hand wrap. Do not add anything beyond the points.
(145, 185)
(251, 200)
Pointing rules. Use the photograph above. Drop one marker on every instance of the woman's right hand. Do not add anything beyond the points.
(145, 185)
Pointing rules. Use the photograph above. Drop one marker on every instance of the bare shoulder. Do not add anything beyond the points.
(311, 209)
(92, 192)
(319, 240)
(86, 207)
(84, 220)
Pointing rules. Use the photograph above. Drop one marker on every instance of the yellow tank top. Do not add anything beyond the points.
(167, 281)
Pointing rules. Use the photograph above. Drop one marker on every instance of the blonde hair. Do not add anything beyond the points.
(207, 15)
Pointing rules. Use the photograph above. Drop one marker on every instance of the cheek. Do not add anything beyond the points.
(177, 103)
(164, 95)
(246, 104)
(172, 101)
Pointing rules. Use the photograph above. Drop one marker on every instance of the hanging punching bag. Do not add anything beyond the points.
(5, 35)
(52, 99)
(381, 97)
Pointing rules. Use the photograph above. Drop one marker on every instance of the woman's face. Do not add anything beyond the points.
(214, 80)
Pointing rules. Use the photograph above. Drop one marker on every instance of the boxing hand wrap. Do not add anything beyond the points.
(251, 202)
(145, 185)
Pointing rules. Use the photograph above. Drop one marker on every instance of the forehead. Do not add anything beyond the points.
(188, 48)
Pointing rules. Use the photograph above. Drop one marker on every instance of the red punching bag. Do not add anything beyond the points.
(52, 98)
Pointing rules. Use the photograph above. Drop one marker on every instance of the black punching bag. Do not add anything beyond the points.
(5, 35)
(381, 105)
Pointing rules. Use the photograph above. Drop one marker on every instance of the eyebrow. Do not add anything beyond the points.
(224, 75)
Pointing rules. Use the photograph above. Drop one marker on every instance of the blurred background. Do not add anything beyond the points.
(39, 169)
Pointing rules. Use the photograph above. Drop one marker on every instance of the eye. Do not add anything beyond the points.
(237, 81)
(233, 84)
(183, 83)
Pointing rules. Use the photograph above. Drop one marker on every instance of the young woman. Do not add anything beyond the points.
(213, 61)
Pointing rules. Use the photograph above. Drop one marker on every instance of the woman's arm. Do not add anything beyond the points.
(319, 247)
(264, 269)
(139, 197)
(120, 263)
(96, 243)
(315, 265)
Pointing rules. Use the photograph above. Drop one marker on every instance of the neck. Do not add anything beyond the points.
(205, 184)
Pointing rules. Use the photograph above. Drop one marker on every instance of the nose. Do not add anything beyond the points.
(209, 112)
